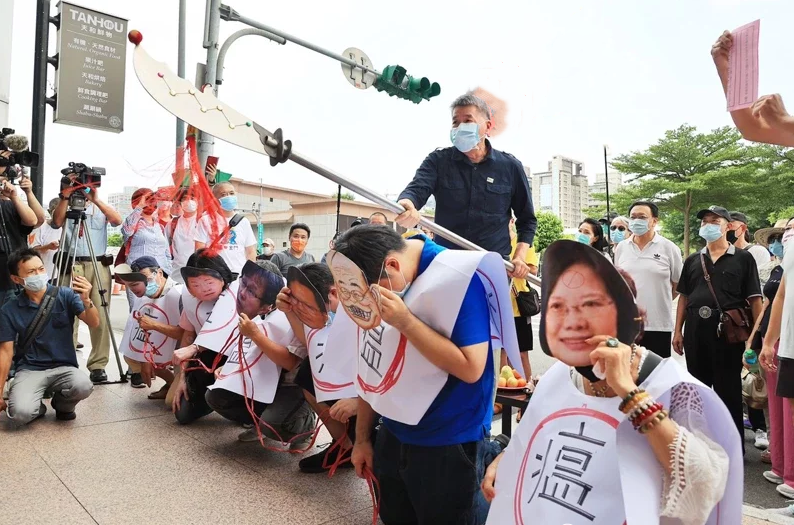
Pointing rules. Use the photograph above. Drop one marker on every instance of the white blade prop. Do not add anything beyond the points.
(205, 112)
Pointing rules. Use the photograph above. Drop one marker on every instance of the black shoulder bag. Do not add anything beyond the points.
(40, 320)
(528, 302)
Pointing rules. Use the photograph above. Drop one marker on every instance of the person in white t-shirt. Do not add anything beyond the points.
(655, 265)
(181, 235)
(739, 236)
(47, 240)
(240, 243)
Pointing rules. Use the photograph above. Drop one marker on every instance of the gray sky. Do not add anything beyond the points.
(575, 73)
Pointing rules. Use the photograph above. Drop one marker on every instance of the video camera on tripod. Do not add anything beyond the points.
(18, 146)
(78, 175)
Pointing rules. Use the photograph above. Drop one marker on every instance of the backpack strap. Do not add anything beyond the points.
(236, 220)
(40, 320)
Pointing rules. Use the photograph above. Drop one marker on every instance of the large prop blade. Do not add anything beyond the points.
(202, 110)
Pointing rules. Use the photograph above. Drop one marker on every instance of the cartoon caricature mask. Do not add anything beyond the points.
(354, 293)
(310, 305)
(583, 295)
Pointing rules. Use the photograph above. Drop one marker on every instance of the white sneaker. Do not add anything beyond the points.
(761, 441)
(786, 490)
(773, 478)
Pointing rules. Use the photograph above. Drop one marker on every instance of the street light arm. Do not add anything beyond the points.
(232, 38)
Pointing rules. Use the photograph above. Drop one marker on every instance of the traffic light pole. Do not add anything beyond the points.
(212, 27)
(40, 100)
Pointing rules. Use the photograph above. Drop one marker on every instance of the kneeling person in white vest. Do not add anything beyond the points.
(39, 322)
(152, 330)
(429, 470)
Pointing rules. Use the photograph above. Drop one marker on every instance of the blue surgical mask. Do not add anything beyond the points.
(617, 236)
(400, 293)
(711, 232)
(152, 288)
(466, 136)
(228, 203)
(639, 227)
(777, 249)
(36, 283)
(583, 238)
(330, 318)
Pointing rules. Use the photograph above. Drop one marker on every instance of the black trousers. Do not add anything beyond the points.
(716, 363)
(232, 406)
(197, 381)
(660, 343)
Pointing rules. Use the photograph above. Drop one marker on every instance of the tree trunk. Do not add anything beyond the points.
(687, 209)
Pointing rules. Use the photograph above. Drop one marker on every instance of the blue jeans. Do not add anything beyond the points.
(431, 485)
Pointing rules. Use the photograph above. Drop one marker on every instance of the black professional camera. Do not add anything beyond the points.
(18, 145)
(86, 176)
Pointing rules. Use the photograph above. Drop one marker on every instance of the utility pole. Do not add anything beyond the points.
(606, 178)
(40, 100)
(180, 65)
(212, 27)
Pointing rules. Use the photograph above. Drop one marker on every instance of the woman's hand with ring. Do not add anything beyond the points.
(615, 360)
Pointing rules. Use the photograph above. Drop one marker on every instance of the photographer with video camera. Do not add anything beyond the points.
(17, 217)
(79, 195)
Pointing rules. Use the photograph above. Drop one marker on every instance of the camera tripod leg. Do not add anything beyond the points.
(105, 308)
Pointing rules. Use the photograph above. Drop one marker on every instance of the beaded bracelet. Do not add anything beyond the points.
(636, 400)
(647, 415)
(643, 405)
(628, 398)
(647, 427)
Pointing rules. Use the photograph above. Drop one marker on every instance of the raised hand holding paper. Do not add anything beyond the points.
(743, 67)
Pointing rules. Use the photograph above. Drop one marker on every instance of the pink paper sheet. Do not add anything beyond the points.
(743, 67)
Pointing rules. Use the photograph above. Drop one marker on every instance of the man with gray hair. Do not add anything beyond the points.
(238, 240)
(477, 188)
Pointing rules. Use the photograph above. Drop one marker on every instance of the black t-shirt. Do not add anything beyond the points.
(770, 290)
(11, 230)
(734, 278)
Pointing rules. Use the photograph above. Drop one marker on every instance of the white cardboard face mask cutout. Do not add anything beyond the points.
(355, 294)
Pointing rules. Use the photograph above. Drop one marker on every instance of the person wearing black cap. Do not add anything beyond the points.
(739, 236)
(151, 286)
(733, 276)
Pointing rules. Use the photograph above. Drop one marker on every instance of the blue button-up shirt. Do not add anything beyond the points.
(54, 346)
(96, 225)
(476, 200)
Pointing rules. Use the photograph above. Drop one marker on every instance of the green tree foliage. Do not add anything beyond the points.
(346, 196)
(115, 240)
(686, 171)
(549, 230)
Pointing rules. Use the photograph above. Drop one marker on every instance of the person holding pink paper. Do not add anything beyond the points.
(766, 120)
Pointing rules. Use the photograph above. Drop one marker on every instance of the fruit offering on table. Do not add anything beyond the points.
(510, 378)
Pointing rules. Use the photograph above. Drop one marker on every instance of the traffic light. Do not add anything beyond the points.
(397, 83)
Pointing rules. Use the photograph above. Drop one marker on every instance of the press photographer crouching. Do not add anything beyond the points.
(39, 324)
(79, 198)
(17, 217)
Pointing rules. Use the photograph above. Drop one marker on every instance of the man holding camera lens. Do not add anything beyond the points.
(98, 215)
(17, 220)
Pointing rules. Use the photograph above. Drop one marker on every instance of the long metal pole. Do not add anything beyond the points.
(39, 111)
(367, 193)
(606, 180)
(338, 204)
(236, 17)
(180, 65)
(212, 31)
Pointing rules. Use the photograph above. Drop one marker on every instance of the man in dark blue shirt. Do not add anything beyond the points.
(429, 472)
(49, 362)
(477, 188)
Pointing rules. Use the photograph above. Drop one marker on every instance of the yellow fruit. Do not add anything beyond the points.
(506, 369)
(512, 382)
(502, 382)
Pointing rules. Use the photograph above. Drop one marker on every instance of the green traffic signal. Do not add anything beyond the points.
(395, 82)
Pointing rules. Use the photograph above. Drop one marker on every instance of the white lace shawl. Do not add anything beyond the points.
(698, 466)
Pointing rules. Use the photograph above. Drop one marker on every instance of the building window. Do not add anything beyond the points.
(271, 199)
